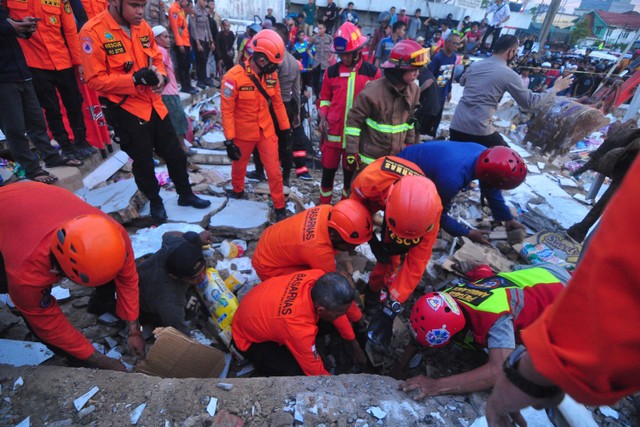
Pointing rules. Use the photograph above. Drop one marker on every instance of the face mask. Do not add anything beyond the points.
(269, 68)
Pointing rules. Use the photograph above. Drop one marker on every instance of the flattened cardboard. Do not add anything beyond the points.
(470, 255)
(175, 355)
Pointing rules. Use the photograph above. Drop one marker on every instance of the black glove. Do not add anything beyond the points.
(379, 251)
(145, 77)
(381, 326)
(232, 150)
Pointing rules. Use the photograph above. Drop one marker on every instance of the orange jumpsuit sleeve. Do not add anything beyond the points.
(70, 32)
(302, 344)
(128, 304)
(585, 340)
(229, 88)
(94, 61)
(48, 321)
(414, 265)
(176, 22)
(344, 327)
(278, 107)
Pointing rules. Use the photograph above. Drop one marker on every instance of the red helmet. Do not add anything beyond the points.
(407, 55)
(352, 220)
(501, 167)
(412, 207)
(348, 38)
(435, 318)
(90, 249)
(270, 43)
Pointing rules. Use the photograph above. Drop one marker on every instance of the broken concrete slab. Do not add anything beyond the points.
(149, 240)
(213, 140)
(176, 213)
(23, 353)
(106, 170)
(210, 157)
(241, 219)
(121, 200)
(7, 318)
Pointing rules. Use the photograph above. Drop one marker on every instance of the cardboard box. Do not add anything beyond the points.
(175, 355)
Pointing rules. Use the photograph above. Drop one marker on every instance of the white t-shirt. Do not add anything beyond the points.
(500, 13)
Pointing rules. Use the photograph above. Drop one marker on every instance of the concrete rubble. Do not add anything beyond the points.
(548, 203)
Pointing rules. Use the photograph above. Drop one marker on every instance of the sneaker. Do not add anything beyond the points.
(193, 201)
(201, 85)
(305, 176)
(86, 147)
(158, 213)
(233, 195)
(254, 175)
(281, 214)
(190, 90)
(209, 82)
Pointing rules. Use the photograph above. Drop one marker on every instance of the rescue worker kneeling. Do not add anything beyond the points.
(311, 239)
(249, 91)
(275, 325)
(493, 310)
(412, 210)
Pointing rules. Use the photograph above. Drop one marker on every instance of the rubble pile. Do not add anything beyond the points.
(549, 202)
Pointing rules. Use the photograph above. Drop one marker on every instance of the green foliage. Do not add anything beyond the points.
(580, 30)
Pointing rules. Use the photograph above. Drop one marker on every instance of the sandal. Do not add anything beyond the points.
(63, 161)
(44, 177)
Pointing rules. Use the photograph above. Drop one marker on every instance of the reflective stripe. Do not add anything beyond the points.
(325, 103)
(351, 84)
(326, 193)
(366, 160)
(352, 131)
(334, 138)
(299, 153)
(388, 128)
(516, 302)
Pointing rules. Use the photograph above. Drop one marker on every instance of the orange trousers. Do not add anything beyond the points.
(268, 149)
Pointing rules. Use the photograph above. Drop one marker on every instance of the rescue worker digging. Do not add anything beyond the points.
(453, 165)
(311, 239)
(342, 83)
(123, 64)
(412, 210)
(275, 325)
(249, 91)
(494, 310)
(380, 123)
(62, 236)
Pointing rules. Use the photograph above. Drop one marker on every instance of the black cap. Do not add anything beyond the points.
(185, 260)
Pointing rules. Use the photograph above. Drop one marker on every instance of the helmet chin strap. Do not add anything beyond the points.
(119, 9)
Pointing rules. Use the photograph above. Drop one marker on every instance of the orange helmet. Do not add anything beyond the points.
(352, 220)
(436, 318)
(501, 167)
(270, 43)
(90, 249)
(348, 39)
(412, 207)
(407, 55)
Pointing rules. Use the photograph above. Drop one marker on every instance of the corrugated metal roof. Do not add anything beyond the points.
(627, 20)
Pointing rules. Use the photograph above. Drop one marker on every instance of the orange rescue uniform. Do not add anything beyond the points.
(55, 45)
(280, 310)
(586, 340)
(246, 120)
(94, 7)
(110, 57)
(371, 188)
(300, 242)
(30, 214)
(178, 24)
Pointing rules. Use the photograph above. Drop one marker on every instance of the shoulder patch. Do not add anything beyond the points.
(389, 165)
(145, 41)
(87, 45)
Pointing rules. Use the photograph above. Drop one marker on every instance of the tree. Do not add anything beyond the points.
(580, 30)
